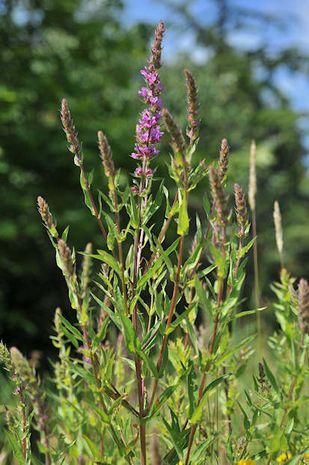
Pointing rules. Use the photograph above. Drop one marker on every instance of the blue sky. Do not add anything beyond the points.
(294, 15)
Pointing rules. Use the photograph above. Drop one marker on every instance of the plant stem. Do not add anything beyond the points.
(138, 244)
(169, 320)
(163, 232)
(119, 243)
(211, 349)
(95, 365)
(256, 273)
(24, 422)
(93, 204)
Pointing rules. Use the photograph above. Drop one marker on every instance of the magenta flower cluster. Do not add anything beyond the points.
(148, 131)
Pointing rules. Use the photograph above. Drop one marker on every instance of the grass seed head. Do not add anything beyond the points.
(66, 256)
(178, 142)
(45, 213)
(70, 132)
(223, 159)
(156, 49)
(218, 196)
(241, 210)
(192, 106)
(106, 155)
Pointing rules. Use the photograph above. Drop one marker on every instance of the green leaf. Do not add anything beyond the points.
(179, 319)
(154, 205)
(127, 326)
(156, 265)
(84, 179)
(191, 388)
(148, 361)
(270, 376)
(112, 231)
(246, 420)
(71, 332)
(166, 394)
(109, 260)
(197, 414)
(245, 249)
(91, 448)
(248, 312)
(183, 218)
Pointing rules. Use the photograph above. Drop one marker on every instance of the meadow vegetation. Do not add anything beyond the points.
(160, 359)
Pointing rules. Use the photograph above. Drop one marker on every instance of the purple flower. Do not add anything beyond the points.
(148, 131)
(147, 151)
(144, 92)
(151, 77)
(143, 172)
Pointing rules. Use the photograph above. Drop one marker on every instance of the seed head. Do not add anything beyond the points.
(252, 176)
(156, 49)
(57, 321)
(178, 142)
(241, 210)
(262, 379)
(22, 369)
(106, 155)
(223, 159)
(278, 227)
(66, 256)
(192, 106)
(5, 357)
(303, 305)
(70, 132)
(218, 195)
(45, 213)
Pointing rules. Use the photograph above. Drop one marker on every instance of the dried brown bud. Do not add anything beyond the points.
(262, 379)
(241, 210)
(178, 142)
(156, 49)
(45, 213)
(70, 132)
(66, 256)
(106, 155)
(303, 305)
(223, 159)
(193, 106)
(252, 176)
(278, 228)
(218, 195)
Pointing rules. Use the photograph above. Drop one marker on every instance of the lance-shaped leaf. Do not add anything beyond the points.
(197, 414)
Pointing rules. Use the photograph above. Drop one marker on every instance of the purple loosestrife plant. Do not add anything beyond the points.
(148, 129)
(152, 370)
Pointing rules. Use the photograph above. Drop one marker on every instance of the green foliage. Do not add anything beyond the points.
(153, 359)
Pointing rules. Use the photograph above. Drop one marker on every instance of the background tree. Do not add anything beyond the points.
(241, 100)
(83, 51)
(51, 49)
